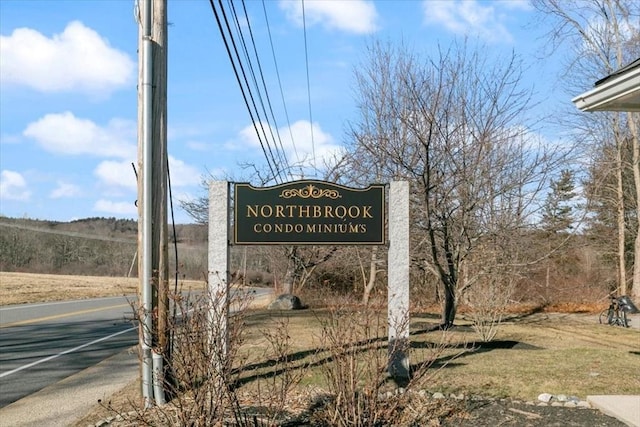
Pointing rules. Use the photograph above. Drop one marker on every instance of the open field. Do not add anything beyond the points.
(22, 288)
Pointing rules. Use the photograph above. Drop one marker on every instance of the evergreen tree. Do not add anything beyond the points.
(557, 216)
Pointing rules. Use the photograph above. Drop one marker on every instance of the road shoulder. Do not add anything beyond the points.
(66, 401)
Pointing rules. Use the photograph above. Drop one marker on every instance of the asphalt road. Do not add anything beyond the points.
(41, 344)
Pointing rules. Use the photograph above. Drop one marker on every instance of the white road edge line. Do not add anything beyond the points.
(71, 350)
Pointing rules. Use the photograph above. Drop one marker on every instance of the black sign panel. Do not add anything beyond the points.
(309, 212)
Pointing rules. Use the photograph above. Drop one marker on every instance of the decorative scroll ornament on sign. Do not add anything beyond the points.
(310, 191)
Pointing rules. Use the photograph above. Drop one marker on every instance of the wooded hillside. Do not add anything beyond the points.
(578, 271)
(90, 246)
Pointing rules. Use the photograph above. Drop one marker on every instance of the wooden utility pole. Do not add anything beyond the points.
(160, 170)
(153, 268)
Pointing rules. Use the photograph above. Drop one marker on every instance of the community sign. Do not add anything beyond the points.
(309, 212)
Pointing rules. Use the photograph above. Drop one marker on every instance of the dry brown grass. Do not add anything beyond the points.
(531, 308)
(23, 288)
(558, 353)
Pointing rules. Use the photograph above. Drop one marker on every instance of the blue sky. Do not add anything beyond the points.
(68, 75)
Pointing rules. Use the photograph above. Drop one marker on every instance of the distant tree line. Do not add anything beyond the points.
(90, 246)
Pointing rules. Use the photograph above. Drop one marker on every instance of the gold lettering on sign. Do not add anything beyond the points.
(349, 228)
(309, 211)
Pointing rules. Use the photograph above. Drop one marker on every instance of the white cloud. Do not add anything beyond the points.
(78, 59)
(182, 174)
(65, 190)
(13, 186)
(303, 150)
(303, 146)
(117, 174)
(470, 17)
(354, 16)
(117, 208)
(64, 133)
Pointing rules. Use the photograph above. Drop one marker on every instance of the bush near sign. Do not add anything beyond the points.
(309, 212)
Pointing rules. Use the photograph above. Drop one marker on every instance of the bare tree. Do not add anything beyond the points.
(454, 127)
(302, 262)
(369, 280)
(359, 169)
(604, 36)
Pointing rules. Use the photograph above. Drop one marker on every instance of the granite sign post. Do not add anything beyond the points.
(218, 264)
(398, 290)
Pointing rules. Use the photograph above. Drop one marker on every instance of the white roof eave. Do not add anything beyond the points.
(621, 93)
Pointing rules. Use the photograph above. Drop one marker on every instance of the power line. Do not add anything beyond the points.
(243, 68)
(281, 157)
(264, 85)
(249, 67)
(306, 61)
(248, 88)
(284, 104)
(239, 81)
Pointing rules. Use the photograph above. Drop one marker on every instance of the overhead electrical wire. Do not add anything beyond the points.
(277, 158)
(277, 174)
(277, 128)
(268, 154)
(252, 93)
(281, 154)
(174, 233)
(284, 104)
(306, 61)
(175, 253)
